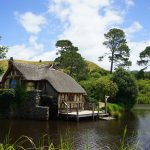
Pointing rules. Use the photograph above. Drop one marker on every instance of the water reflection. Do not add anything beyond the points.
(93, 133)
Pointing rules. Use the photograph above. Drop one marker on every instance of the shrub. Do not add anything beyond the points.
(127, 88)
(89, 86)
(6, 99)
(144, 92)
(115, 110)
(97, 88)
(104, 86)
(20, 95)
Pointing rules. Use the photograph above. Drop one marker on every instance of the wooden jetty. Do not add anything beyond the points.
(78, 113)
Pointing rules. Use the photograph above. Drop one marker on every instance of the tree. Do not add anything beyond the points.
(119, 50)
(127, 88)
(104, 86)
(3, 51)
(144, 57)
(70, 60)
(97, 88)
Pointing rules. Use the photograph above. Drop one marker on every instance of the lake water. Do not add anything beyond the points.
(96, 134)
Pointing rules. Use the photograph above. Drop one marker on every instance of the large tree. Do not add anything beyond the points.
(127, 87)
(144, 57)
(119, 50)
(70, 60)
(3, 51)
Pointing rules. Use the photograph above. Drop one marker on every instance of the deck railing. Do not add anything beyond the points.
(68, 108)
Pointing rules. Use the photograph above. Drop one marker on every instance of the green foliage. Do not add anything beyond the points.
(141, 74)
(144, 92)
(144, 57)
(70, 60)
(119, 51)
(97, 88)
(20, 95)
(3, 51)
(97, 73)
(89, 86)
(1, 70)
(127, 88)
(115, 110)
(104, 86)
(6, 99)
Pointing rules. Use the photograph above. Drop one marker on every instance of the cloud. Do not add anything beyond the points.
(135, 27)
(24, 51)
(31, 22)
(85, 23)
(129, 3)
(51, 55)
(136, 48)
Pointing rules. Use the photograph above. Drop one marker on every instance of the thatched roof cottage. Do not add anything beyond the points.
(53, 83)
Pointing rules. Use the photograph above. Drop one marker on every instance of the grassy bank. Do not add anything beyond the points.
(115, 110)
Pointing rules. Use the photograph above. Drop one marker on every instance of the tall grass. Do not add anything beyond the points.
(45, 143)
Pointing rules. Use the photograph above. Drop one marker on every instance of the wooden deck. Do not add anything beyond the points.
(82, 114)
(78, 113)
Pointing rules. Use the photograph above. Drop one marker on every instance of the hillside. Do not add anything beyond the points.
(91, 66)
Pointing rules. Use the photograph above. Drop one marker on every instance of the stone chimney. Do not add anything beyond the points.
(10, 61)
(11, 58)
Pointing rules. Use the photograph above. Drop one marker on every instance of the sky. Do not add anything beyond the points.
(30, 28)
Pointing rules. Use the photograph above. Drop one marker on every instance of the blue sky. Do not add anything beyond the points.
(31, 27)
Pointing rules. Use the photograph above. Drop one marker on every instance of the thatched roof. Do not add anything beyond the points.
(61, 82)
(1, 77)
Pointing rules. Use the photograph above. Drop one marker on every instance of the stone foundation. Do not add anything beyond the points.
(31, 108)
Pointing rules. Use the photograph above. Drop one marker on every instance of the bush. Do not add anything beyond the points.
(89, 86)
(20, 95)
(144, 92)
(97, 88)
(104, 86)
(127, 88)
(115, 110)
(6, 99)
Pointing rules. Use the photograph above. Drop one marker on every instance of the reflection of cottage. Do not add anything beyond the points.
(54, 84)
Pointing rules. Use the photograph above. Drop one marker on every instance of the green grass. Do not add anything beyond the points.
(115, 110)
(144, 92)
(4, 63)
(92, 66)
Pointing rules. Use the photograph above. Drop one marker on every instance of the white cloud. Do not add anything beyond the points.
(31, 22)
(26, 52)
(21, 51)
(135, 27)
(35, 44)
(136, 48)
(85, 23)
(51, 55)
(129, 2)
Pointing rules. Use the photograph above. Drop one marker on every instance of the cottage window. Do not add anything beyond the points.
(30, 86)
(71, 97)
(13, 84)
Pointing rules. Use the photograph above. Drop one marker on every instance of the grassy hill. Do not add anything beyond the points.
(91, 66)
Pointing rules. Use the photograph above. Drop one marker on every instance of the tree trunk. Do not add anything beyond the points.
(112, 62)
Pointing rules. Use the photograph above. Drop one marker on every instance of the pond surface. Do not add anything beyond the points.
(96, 134)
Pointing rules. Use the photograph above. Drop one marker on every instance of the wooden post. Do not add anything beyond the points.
(105, 106)
(77, 111)
(93, 108)
(98, 109)
(67, 111)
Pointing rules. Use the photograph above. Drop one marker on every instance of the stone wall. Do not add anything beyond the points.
(31, 108)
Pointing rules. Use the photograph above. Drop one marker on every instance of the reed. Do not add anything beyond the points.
(45, 143)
